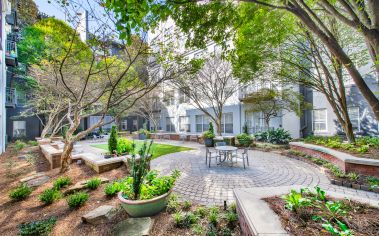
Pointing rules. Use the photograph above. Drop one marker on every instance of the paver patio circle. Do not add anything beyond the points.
(215, 185)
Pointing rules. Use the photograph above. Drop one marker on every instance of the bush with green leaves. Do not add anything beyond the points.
(48, 196)
(124, 145)
(244, 139)
(39, 227)
(185, 220)
(77, 199)
(201, 212)
(113, 188)
(210, 133)
(112, 141)
(19, 144)
(295, 201)
(231, 218)
(62, 182)
(32, 143)
(187, 205)
(93, 183)
(20, 193)
(213, 215)
(198, 229)
(274, 136)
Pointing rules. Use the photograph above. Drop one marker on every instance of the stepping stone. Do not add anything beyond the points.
(35, 175)
(38, 181)
(134, 227)
(105, 212)
(81, 185)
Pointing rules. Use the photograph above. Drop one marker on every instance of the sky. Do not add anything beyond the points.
(51, 9)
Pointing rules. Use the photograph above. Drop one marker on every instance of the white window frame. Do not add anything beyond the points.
(203, 125)
(359, 117)
(171, 124)
(326, 120)
(223, 123)
(187, 124)
(20, 134)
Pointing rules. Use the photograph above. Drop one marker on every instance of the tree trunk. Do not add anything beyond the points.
(66, 156)
(349, 133)
(218, 128)
(44, 132)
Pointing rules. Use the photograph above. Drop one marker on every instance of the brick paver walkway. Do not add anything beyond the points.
(214, 185)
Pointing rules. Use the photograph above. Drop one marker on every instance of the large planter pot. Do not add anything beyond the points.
(144, 208)
(208, 142)
(142, 136)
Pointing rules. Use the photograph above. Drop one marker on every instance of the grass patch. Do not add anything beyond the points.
(157, 148)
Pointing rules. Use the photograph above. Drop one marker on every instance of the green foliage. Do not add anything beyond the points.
(49, 196)
(373, 182)
(295, 201)
(367, 140)
(124, 145)
(210, 133)
(187, 205)
(245, 129)
(198, 229)
(173, 204)
(275, 136)
(112, 189)
(77, 200)
(213, 215)
(32, 143)
(62, 182)
(231, 218)
(112, 141)
(233, 207)
(244, 139)
(335, 209)
(211, 129)
(19, 145)
(342, 229)
(353, 176)
(362, 149)
(185, 220)
(201, 212)
(93, 183)
(20, 193)
(225, 232)
(39, 227)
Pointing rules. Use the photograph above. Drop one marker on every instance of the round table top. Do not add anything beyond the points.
(226, 148)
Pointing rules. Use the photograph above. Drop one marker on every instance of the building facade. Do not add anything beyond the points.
(181, 116)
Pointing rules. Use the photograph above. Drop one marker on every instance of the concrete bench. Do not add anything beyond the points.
(52, 154)
(99, 163)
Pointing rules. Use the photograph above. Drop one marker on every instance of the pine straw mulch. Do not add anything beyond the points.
(360, 218)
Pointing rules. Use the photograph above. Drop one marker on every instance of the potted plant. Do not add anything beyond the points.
(143, 134)
(144, 192)
(209, 136)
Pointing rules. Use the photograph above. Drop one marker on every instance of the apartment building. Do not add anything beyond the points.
(178, 114)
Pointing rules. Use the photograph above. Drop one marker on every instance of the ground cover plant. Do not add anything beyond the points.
(93, 183)
(77, 200)
(364, 146)
(313, 212)
(157, 149)
(62, 182)
(40, 227)
(336, 172)
(275, 136)
(20, 193)
(48, 196)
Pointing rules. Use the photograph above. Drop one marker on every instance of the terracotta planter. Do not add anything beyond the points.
(144, 208)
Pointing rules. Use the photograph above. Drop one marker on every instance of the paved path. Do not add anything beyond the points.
(214, 185)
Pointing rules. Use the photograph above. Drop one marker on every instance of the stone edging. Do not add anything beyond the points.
(346, 162)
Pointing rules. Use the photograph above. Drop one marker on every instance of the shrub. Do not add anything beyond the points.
(185, 220)
(124, 145)
(225, 232)
(93, 183)
(198, 229)
(231, 218)
(213, 217)
(113, 188)
(244, 139)
(112, 141)
(21, 192)
(77, 200)
(353, 176)
(49, 196)
(18, 145)
(362, 149)
(187, 205)
(294, 201)
(275, 136)
(208, 134)
(32, 143)
(173, 204)
(40, 227)
(62, 182)
(233, 207)
(201, 212)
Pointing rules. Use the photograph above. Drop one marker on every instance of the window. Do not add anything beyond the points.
(319, 120)
(19, 129)
(124, 125)
(135, 124)
(183, 98)
(169, 98)
(202, 123)
(227, 123)
(170, 124)
(184, 125)
(354, 117)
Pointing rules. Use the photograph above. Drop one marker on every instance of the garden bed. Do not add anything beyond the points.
(336, 176)
(311, 214)
(367, 147)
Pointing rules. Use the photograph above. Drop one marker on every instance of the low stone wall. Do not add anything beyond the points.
(346, 162)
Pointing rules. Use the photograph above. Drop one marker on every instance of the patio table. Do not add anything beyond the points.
(227, 151)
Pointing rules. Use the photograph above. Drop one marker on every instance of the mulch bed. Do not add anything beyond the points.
(361, 219)
(69, 222)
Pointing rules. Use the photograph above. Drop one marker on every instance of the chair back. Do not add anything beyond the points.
(217, 144)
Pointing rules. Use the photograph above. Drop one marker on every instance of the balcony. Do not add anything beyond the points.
(254, 89)
(10, 97)
(11, 53)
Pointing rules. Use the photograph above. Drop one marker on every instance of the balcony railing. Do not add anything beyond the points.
(10, 97)
(11, 49)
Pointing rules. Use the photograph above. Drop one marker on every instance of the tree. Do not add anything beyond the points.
(274, 102)
(27, 12)
(89, 79)
(210, 87)
(215, 20)
(112, 141)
